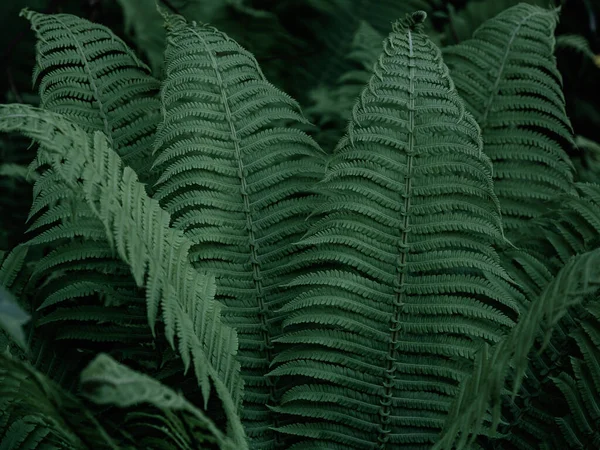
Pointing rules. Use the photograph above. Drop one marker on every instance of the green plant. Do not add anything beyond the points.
(431, 283)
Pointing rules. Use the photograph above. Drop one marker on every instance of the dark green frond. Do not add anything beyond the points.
(236, 178)
(106, 382)
(90, 76)
(508, 78)
(332, 26)
(578, 279)
(331, 107)
(404, 283)
(36, 414)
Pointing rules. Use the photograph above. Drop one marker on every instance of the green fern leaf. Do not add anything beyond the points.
(90, 76)
(405, 284)
(236, 178)
(463, 23)
(508, 78)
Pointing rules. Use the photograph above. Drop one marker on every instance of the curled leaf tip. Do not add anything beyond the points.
(417, 18)
(411, 22)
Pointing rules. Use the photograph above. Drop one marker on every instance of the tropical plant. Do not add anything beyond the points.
(432, 281)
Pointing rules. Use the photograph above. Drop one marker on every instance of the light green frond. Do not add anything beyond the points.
(12, 317)
(90, 76)
(404, 284)
(138, 230)
(236, 177)
(508, 78)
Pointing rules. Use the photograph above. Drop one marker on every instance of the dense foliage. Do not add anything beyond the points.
(317, 224)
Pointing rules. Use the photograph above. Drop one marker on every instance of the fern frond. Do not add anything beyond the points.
(236, 178)
(582, 391)
(508, 78)
(90, 76)
(404, 283)
(579, 278)
(138, 230)
(35, 413)
(106, 382)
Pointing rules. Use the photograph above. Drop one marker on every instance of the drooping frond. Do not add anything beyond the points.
(405, 284)
(106, 382)
(576, 281)
(90, 76)
(36, 414)
(508, 78)
(82, 292)
(236, 178)
(157, 255)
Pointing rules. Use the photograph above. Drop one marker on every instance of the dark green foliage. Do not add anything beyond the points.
(198, 273)
(405, 284)
(508, 78)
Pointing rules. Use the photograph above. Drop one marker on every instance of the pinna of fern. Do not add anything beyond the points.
(405, 283)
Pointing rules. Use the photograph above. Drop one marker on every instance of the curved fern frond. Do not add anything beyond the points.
(578, 279)
(35, 413)
(90, 76)
(508, 78)
(138, 231)
(106, 382)
(236, 177)
(405, 284)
